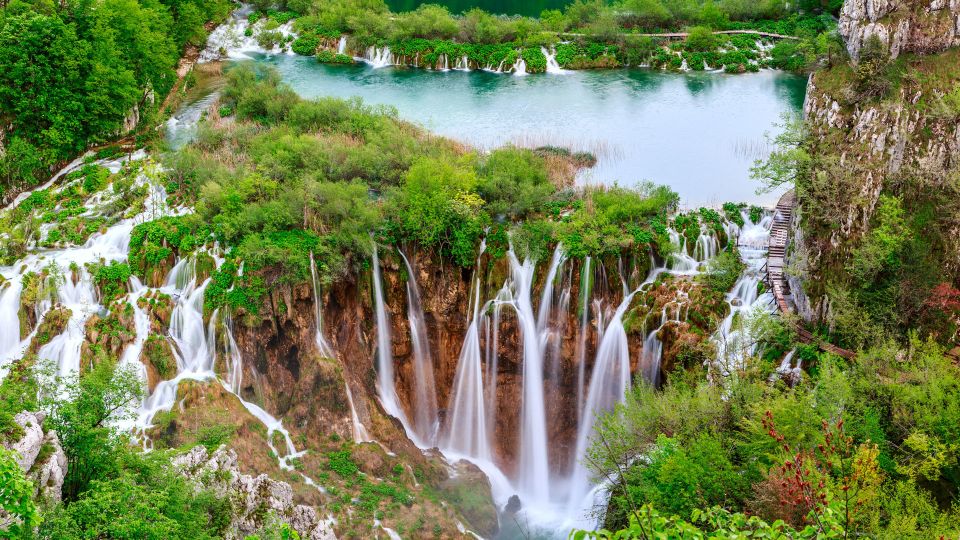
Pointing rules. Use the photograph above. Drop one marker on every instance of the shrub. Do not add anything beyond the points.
(701, 39)
(305, 45)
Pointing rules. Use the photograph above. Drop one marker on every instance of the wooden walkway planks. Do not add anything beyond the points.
(776, 274)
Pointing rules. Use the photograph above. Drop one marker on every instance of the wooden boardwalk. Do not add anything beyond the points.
(776, 275)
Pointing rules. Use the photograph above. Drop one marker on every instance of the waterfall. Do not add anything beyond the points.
(552, 65)
(10, 330)
(379, 57)
(322, 345)
(492, 334)
(744, 297)
(360, 434)
(342, 45)
(425, 404)
(680, 261)
(608, 386)
(585, 281)
(385, 381)
(235, 367)
(463, 64)
(707, 247)
(520, 66)
(467, 432)
(236, 37)
(534, 478)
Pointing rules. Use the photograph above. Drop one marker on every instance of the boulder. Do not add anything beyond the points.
(40, 455)
(253, 499)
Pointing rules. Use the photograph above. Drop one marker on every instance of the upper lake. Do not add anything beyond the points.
(699, 133)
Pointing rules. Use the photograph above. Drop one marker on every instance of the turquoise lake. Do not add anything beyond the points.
(699, 133)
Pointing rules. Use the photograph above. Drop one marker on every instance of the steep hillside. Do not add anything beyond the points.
(878, 238)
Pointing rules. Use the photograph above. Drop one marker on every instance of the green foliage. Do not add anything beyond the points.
(342, 463)
(305, 45)
(701, 39)
(111, 279)
(733, 213)
(157, 350)
(712, 523)
(154, 242)
(789, 160)
(16, 498)
(328, 57)
(723, 271)
(69, 77)
(869, 439)
(439, 207)
(81, 412)
(513, 182)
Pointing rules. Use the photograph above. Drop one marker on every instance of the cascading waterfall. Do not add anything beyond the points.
(235, 38)
(492, 339)
(378, 57)
(463, 64)
(425, 392)
(520, 66)
(467, 425)
(608, 386)
(342, 45)
(386, 386)
(744, 297)
(552, 65)
(10, 332)
(706, 248)
(585, 278)
(360, 434)
(534, 476)
(322, 346)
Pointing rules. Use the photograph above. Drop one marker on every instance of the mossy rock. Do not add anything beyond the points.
(157, 356)
(53, 324)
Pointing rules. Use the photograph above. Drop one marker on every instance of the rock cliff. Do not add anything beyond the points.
(40, 456)
(903, 26)
(254, 500)
(891, 128)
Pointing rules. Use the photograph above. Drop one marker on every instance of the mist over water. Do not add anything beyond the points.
(699, 133)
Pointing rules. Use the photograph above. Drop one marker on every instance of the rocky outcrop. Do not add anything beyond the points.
(902, 26)
(874, 131)
(255, 500)
(40, 455)
(879, 140)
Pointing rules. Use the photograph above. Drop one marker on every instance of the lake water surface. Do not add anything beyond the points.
(699, 133)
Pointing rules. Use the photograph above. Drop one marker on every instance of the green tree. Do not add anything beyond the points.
(82, 411)
(16, 499)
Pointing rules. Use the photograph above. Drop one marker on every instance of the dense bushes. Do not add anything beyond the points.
(841, 453)
(69, 75)
(322, 176)
(112, 489)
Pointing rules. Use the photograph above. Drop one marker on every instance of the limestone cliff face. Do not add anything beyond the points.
(881, 139)
(40, 455)
(904, 26)
(253, 500)
(905, 144)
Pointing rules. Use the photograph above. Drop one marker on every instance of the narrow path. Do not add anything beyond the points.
(777, 278)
